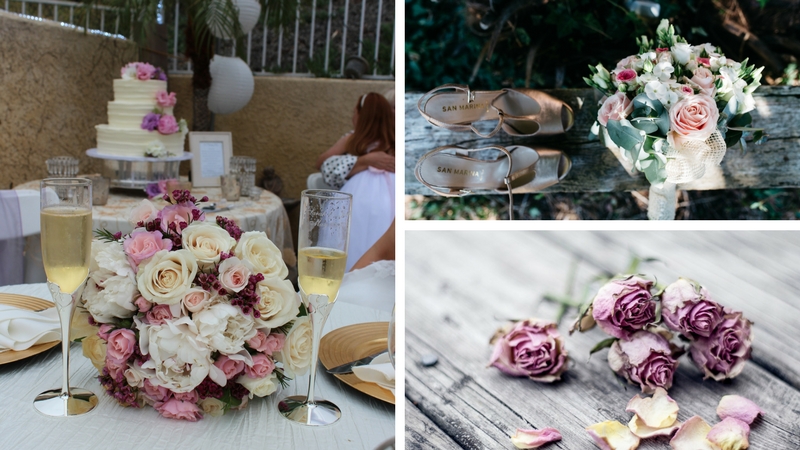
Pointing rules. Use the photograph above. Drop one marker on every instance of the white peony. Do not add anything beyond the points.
(156, 149)
(256, 248)
(129, 72)
(224, 327)
(206, 241)
(111, 287)
(682, 52)
(260, 387)
(145, 211)
(296, 352)
(179, 357)
(278, 303)
(167, 276)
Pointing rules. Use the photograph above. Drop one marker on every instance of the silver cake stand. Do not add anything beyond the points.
(136, 172)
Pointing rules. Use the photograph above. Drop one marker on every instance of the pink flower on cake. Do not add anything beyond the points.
(167, 125)
(121, 344)
(165, 100)
(616, 107)
(144, 71)
(177, 409)
(143, 244)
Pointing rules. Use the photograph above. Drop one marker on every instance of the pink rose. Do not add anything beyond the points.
(146, 211)
(705, 79)
(626, 75)
(262, 366)
(723, 354)
(258, 342)
(196, 299)
(627, 63)
(704, 61)
(176, 409)
(165, 100)
(687, 90)
(158, 315)
(156, 393)
(167, 124)
(530, 348)
(274, 343)
(693, 118)
(687, 307)
(234, 274)
(121, 344)
(180, 215)
(143, 244)
(116, 369)
(143, 304)
(616, 107)
(191, 396)
(144, 71)
(104, 331)
(624, 306)
(230, 367)
(646, 359)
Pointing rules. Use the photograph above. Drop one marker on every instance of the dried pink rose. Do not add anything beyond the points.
(730, 434)
(534, 438)
(612, 435)
(687, 308)
(646, 359)
(530, 348)
(738, 407)
(624, 306)
(692, 435)
(723, 354)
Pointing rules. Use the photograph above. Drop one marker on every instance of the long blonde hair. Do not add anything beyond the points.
(375, 125)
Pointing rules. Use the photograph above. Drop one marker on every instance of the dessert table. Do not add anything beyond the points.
(365, 422)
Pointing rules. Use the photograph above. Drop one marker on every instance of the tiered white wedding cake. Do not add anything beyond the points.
(140, 119)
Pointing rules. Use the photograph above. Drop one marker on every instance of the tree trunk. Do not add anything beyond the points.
(200, 51)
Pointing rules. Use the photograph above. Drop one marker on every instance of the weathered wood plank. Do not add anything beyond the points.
(461, 286)
(422, 434)
(774, 164)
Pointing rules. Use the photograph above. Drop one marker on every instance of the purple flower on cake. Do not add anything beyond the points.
(624, 306)
(151, 121)
(723, 354)
(167, 125)
(530, 348)
(145, 71)
(160, 74)
(165, 100)
(687, 308)
(646, 359)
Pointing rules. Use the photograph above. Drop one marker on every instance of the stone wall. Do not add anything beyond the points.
(54, 86)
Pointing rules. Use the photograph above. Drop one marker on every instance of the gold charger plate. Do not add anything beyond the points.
(353, 342)
(32, 304)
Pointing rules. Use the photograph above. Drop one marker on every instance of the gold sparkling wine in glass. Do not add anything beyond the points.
(66, 222)
(322, 257)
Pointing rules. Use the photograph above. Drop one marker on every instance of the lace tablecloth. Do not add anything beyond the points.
(267, 214)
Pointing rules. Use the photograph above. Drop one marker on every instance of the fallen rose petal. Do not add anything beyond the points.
(730, 434)
(692, 435)
(535, 438)
(738, 407)
(658, 411)
(640, 429)
(612, 435)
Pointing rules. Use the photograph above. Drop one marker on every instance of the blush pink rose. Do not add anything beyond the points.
(626, 75)
(694, 118)
(234, 274)
(274, 343)
(180, 215)
(704, 61)
(143, 304)
(167, 124)
(646, 359)
(530, 348)
(116, 369)
(177, 409)
(121, 344)
(258, 342)
(191, 396)
(145, 211)
(156, 393)
(262, 366)
(158, 315)
(166, 100)
(627, 63)
(196, 299)
(145, 71)
(705, 79)
(230, 367)
(143, 244)
(616, 107)
(104, 331)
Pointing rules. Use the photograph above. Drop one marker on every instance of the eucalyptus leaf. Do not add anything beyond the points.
(643, 100)
(646, 124)
(625, 136)
(654, 170)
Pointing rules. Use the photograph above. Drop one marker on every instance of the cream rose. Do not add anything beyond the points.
(178, 356)
(278, 303)
(94, 348)
(234, 274)
(167, 276)
(296, 352)
(206, 241)
(255, 248)
(260, 387)
(212, 406)
(143, 212)
(196, 299)
(693, 118)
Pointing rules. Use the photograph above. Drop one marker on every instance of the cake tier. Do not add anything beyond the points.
(129, 115)
(128, 142)
(138, 91)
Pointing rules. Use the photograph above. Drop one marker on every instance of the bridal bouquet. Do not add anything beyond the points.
(194, 317)
(672, 110)
(643, 320)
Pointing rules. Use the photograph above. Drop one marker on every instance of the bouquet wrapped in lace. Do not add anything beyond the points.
(672, 110)
(194, 317)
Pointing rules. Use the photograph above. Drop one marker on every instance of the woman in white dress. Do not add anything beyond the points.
(363, 161)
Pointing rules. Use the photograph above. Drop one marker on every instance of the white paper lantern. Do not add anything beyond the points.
(231, 85)
(249, 10)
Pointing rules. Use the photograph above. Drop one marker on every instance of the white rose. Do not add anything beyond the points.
(260, 387)
(681, 51)
(224, 327)
(278, 303)
(167, 276)
(256, 248)
(145, 211)
(212, 406)
(94, 348)
(111, 287)
(206, 241)
(296, 352)
(178, 355)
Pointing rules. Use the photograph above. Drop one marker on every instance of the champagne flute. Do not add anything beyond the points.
(66, 221)
(323, 237)
(390, 340)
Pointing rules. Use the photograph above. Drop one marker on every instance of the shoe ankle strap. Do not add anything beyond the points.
(423, 101)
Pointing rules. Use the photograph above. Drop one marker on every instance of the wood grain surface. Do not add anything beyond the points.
(461, 286)
(774, 164)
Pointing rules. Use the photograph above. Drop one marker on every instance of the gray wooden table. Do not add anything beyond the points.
(461, 286)
(773, 164)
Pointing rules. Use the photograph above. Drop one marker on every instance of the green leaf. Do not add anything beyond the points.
(642, 100)
(625, 136)
(605, 343)
(654, 170)
(646, 124)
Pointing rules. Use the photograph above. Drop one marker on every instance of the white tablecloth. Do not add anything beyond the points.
(365, 422)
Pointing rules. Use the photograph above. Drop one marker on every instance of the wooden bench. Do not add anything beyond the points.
(773, 164)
